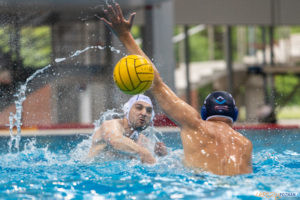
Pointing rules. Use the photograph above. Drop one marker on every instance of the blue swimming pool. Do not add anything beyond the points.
(54, 167)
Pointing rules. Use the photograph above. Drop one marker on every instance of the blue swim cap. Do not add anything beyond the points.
(219, 104)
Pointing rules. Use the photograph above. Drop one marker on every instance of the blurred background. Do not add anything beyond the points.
(250, 48)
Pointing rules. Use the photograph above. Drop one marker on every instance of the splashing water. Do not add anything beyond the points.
(15, 120)
(58, 60)
(108, 115)
(56, 170)
(109, 2)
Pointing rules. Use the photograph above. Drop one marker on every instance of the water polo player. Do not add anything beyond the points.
(125, 135)
(211, 145)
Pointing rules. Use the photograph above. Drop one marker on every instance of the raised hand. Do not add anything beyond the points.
(116, 21)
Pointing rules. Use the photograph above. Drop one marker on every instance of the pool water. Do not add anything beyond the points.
(54, 167)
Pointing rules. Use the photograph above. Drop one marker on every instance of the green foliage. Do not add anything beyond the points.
(177, 30)
(204, 92)
(289, 112)
(36, 46)
(4, 39)
(136, 31)
(284, 86)
(295, 29)
(219, 42)
(234, 42)
(199, 49)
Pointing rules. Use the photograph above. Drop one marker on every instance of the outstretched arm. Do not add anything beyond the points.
(172, 105)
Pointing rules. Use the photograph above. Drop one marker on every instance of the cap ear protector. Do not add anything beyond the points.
(203, 112)
(210, 102)
(236, 114)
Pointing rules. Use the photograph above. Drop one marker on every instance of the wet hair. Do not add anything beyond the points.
(219, 104)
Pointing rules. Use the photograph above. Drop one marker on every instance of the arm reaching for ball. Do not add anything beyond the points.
(173, 106)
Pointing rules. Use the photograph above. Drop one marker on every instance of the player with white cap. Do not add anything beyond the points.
(126, 134)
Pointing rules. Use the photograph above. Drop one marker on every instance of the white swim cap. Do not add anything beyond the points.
(140, 97)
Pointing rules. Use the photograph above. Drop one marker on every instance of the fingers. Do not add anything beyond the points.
(109, 13)
(112, 10)
(131, 18)
(119, 10)
(105, 21)
(160, 144)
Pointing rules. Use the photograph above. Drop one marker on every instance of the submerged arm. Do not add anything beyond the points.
(172, 105)
(97, 145)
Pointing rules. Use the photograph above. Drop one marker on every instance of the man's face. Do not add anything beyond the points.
(140, 115)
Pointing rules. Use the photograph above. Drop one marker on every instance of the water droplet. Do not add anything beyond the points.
(58, 60)
(113, 49)
(232, 157)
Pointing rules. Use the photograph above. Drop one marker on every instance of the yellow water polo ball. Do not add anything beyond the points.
(133, 74)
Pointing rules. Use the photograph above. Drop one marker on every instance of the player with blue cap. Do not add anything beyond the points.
(209, 142)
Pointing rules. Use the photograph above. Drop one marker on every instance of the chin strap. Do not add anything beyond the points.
(136, 133)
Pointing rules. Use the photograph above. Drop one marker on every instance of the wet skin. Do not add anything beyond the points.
(117, 132)
(140, 115)
(208, 145)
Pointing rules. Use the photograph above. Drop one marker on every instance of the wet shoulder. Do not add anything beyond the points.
(216, 127)
(109, 126)
(112, 123)
(241, 138)
(194, 123)
(222, 131)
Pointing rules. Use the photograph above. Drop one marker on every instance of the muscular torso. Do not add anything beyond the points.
(215, 147)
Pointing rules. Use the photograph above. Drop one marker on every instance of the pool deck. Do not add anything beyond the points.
(36, 131)
(161, 122)
(75, 129)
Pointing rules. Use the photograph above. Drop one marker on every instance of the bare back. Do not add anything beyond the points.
(215, 147)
